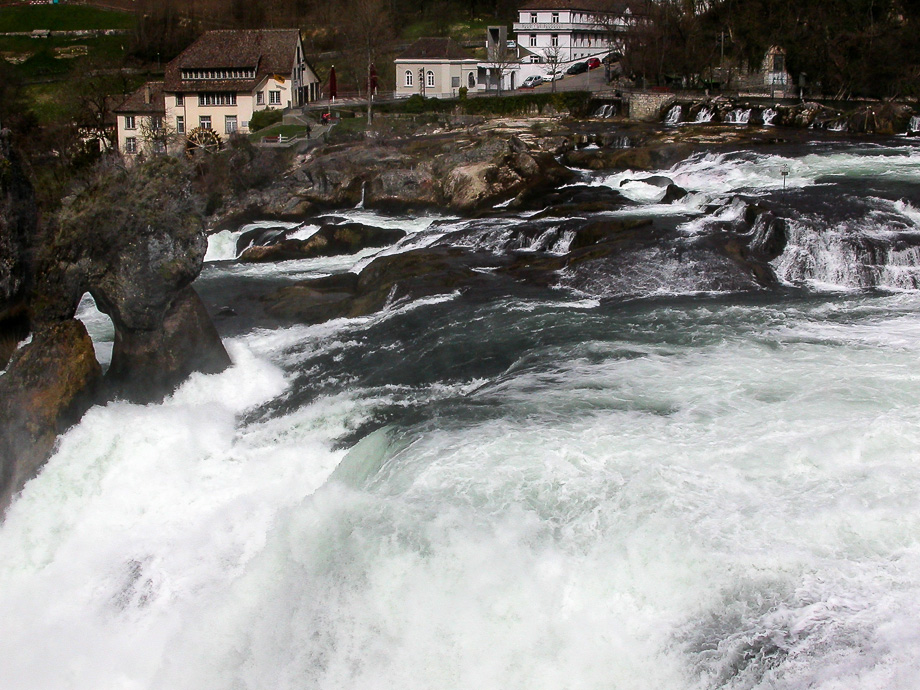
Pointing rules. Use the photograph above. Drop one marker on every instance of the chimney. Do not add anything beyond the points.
(147, 94)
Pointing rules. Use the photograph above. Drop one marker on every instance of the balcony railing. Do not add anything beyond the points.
(561, 27)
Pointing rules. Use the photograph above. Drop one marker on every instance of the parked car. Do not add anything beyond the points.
(532, 81)
(554, 77)
(577, 68)
(593, 63)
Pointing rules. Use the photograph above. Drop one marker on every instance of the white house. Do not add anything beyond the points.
(435, 68)
(578, 29)
(216, 84)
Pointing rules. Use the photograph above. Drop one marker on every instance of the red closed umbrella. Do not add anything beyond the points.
(372, 79)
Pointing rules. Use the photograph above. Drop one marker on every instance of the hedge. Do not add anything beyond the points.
(574, 102)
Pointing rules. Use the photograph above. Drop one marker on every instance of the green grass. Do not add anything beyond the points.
(464, 30)
(278, 130)
(61, 18)
(50, 102)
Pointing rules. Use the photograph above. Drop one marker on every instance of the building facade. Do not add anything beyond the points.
(572, 29)
(435, 68)
(215, 85)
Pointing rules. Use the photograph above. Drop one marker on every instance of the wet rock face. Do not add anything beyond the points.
(329, 240)
(48, 386)
(18, 221)
(134, 239)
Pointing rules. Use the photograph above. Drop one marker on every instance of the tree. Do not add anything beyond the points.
(552, 58)
(367, 30)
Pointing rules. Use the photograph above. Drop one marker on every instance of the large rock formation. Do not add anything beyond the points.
(134, 239)
(18, 221)
(48, 386)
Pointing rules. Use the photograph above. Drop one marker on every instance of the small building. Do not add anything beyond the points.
(217, 83)
(140, 121)
(435, 68)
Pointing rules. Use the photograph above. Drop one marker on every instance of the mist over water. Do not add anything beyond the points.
(532, 491)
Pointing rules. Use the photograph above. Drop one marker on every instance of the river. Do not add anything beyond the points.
(536, 490)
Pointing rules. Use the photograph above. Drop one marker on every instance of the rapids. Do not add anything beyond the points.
(534, 490)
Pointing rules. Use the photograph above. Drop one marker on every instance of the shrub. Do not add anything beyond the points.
(264, 118)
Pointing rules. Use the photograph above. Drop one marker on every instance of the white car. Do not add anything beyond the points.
(532, 81)
(555, 77)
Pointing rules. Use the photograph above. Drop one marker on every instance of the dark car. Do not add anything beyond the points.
(577, 68)
(593, 63)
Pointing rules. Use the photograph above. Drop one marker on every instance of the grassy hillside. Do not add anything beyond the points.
(61, 18)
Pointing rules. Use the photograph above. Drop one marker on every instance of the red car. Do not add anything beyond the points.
(594, 63)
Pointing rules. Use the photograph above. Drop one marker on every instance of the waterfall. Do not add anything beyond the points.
(606, 111)
(837, 126)
(738, 116)
(363, 192)
(914, 126)
(673, 116)
(838, 256)
(705, 115)
(767, 115)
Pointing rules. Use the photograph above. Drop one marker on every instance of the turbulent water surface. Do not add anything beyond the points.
(533, 491)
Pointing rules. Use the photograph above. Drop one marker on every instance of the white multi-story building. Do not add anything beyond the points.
(216, 84)
(577, 29)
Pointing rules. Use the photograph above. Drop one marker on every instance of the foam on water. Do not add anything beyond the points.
(706, 495)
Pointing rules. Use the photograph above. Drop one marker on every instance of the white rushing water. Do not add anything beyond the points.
(734, 507)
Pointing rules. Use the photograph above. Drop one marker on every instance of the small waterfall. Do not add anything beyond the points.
(913, 127)
(705, 115)
(606, 111)
(838, 256)
(767, 116)
(673, 116)
(837, 126)
(363, 192)
(738, 116)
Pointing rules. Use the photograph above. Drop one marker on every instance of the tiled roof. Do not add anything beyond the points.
(435, 49)
(268, 51)
(141, 102)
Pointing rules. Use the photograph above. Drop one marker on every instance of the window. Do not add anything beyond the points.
(260, 98)
(180, 124)
(180, 100)
(129, 122)
(219, 98)
(533, 40)
(554, 40)
(159, 146)
(230, 124)
(429, 80)
(245, 124)
(204, 122)
(534, 59)
(533, 17)
(779, 63)
(156, 122)
(471, 80)
(130, 145)
(274, 98)
(408, 77)
(555, 17)
(218, 73)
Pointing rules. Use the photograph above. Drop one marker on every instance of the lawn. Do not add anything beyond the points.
(61, 18)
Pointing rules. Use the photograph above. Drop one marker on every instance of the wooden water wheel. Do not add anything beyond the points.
(202, 139)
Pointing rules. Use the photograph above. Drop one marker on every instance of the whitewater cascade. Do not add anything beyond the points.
(606, 111)
(704, 115)
(767, 116)
(914, 124)
(738, 116)
(673, 116)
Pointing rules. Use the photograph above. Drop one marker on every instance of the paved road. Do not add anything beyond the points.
(592, 80)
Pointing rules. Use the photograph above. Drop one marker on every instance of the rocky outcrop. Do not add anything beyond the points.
(462, 174)
(48, 386)
(329, 240)
(134, 240)
(18, 222)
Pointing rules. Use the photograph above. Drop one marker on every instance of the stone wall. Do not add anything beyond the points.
(647, 105)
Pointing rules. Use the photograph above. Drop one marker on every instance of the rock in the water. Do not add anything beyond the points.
(50, 383)
(330, 240)
(148, 364)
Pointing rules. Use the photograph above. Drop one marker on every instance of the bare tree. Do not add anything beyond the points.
(368, 30)
(157, 134)
(552, 57)
(500, 61)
